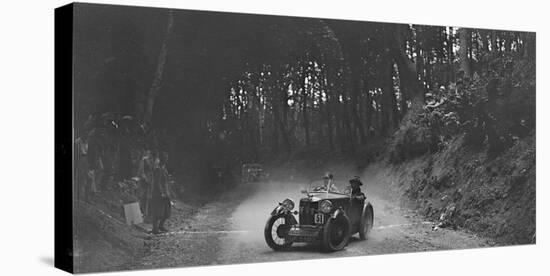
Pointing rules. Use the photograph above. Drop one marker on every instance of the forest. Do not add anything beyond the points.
(216, 90)
(437, 121)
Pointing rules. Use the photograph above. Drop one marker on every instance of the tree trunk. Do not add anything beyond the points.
(508, 41)
(356, 87)
(484, 36)
(329, 106)
(337, 107)
(494, 41)
(450, 55)
(368, 107)
(276, 128)
(407, 69)
(529, 45)
(329, 124)
(303, 102)
(465, 40)
(419, 59)
(346, 121)
(284, 120)
(428, 78)
(157, 80)
(388, 97)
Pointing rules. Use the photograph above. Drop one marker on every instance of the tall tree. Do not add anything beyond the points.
(304, 99)
(450, 54)
(407, 68)
(465, 38)
(157, 80)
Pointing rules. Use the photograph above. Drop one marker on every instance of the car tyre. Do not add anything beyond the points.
(277, 239)
(336, 233)
(367, 221)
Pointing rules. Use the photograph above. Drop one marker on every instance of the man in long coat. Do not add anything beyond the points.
(145, 173)
(82, 168)
(159, 196)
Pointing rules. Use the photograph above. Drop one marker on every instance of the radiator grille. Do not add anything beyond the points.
(307, 211)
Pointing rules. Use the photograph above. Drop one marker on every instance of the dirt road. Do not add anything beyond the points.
(395, 230)
(231, 231)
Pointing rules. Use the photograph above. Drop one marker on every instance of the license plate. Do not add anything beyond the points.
(319, 218)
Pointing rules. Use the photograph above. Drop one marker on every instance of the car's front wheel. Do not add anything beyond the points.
(276, 232)
(336, 233)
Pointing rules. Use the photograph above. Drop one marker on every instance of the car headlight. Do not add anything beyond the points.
(288, 204)
(325, 206)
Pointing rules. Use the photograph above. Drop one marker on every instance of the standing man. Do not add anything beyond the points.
(145, 173)
(82, 168)
(95, 159)
(160, 205)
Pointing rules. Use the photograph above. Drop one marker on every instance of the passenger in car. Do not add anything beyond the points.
(356, 184)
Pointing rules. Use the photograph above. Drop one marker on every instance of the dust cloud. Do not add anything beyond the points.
(252, 214)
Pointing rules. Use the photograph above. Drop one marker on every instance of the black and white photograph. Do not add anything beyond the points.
(208, 138)
(278, 138)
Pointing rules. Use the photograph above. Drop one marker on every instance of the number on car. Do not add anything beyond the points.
(319, 218)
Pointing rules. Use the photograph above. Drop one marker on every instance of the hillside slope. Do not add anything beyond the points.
(466, 188)
(467, 157)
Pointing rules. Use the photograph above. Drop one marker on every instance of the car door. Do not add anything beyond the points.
(355, 211)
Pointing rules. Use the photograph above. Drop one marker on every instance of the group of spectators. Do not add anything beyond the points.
(110, 149)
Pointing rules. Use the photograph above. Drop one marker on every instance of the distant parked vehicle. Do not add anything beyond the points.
(253, 172)
(222, 176)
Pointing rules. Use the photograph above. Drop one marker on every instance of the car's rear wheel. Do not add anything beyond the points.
(367, 221)
(336, 233)
(276, 232)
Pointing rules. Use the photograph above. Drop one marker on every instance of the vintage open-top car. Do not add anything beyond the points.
(326, 215)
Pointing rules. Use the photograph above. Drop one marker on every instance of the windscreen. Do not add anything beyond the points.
(333, 186)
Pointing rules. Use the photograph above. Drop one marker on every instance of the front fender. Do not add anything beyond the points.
(338, 213)
(278, 210)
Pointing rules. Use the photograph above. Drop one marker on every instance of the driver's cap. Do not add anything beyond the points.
(327, 176)
(356, 180)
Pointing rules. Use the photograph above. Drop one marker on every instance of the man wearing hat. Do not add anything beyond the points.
(356, 184)
(357, 198)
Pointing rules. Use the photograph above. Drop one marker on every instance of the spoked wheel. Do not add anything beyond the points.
(336, 233)
(367, 222)
(276, 232)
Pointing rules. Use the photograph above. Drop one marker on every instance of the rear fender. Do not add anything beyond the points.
(367, 207)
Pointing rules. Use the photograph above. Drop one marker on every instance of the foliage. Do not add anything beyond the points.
(269, 87)
(494, 109)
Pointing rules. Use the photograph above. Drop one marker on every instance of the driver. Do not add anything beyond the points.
(356, 184)
(328, 184)
(327, 180)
